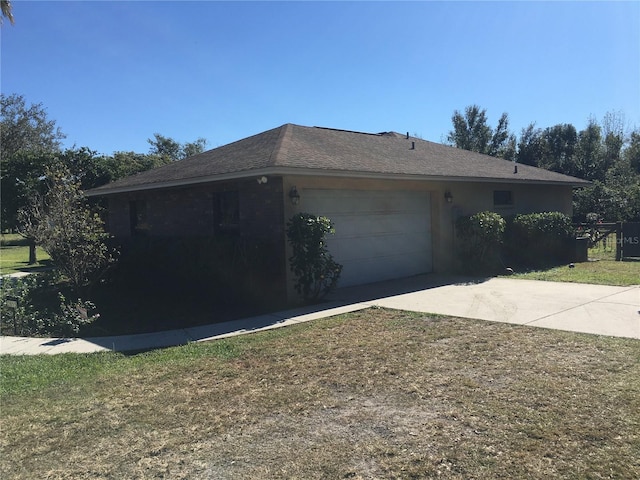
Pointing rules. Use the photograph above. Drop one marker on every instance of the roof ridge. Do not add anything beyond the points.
(348, 131)
(276, 153)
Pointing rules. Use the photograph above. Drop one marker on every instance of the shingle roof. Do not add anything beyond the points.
(316, 150)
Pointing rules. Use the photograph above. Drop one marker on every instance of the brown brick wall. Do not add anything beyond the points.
(189, 212)
(261, 209)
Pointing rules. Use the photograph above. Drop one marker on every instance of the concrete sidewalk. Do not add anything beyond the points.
(595, 309)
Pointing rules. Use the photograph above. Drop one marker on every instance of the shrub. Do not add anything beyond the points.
(479, 238)
(539, 239)
(62, 223)
(315, 270)
(33, 317)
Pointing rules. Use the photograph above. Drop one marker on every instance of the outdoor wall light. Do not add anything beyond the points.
(294, 195)
(448, 196)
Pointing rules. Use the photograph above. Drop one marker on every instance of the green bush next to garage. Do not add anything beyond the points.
(539, 239)
(487, 243)
(479, 238)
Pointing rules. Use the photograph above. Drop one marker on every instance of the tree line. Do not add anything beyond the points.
(604, 152)
(32, 143)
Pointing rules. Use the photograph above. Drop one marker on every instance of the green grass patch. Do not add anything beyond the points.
(601, 272)
(373, 394)
(601, 269)
(12, 240)
(605, 249)
(36, 373)
(32, 373)
(15, 258)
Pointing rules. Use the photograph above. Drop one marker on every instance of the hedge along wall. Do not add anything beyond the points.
(479, 239)
(539, 239)
(486, 243)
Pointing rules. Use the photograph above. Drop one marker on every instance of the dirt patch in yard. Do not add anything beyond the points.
(374, 394)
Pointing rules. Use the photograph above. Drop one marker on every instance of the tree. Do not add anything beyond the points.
(611, 160)
(25, 128)
(530, 146)
(29, 140)
(123, 164)
(503, 143)
(193, 148)
(613, 139)
(601, 153)
(86, 166)
(472, 132)
(587, 154)
(588, 162)
(632, 152)
(558, 147)
(63, 225)
(19, 179)
(7, 11)
(167, 147)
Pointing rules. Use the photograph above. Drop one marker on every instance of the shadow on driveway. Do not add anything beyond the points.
(343, 300)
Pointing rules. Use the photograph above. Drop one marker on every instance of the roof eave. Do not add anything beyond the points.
(422, 177)
(325, 173)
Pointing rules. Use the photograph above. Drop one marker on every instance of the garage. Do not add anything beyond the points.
(380, 235)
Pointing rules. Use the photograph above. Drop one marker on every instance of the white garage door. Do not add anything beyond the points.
(379, 234)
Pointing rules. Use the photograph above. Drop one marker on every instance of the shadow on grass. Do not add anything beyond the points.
(25, 267)
(41, 266)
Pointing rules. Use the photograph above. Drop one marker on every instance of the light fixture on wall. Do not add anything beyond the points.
(262, 180)
(448, 196)
(294, 195)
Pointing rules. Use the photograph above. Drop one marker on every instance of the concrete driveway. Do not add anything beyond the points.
(595, 309)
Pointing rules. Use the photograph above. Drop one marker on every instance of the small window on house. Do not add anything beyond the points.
(138, 216)
(226, 212)
(502, 198)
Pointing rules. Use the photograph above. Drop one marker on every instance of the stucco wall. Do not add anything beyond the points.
(468, 198)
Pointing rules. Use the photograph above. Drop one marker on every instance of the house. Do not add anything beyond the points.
(392, 198)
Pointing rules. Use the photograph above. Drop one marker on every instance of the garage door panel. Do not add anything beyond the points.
(364, 271)
(370, 224)
(352, 202)
(379, 234)
(377, 246)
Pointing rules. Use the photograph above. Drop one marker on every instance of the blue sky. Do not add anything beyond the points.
(114, 73)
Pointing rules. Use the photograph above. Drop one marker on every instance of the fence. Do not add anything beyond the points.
(627, 236)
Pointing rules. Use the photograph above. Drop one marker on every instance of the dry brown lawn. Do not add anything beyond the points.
(374, 394)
